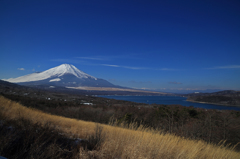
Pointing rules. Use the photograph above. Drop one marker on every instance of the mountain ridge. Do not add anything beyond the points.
(57, 71)
(226, 97)
(63, 75)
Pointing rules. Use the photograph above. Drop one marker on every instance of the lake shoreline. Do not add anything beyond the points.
(213, 103)
(173, 100)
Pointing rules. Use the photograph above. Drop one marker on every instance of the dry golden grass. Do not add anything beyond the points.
(121, 142)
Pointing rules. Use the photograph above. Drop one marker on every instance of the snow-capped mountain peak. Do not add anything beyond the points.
(64, 69)
(67, 69)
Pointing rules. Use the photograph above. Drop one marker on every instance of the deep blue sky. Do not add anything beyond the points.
(191, 44)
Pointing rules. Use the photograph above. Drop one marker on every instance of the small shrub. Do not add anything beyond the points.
(96, 139)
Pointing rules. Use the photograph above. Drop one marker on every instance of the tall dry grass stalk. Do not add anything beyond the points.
(136, 142)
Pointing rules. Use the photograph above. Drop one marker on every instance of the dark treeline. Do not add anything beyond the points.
(228, 97)
(212, 126)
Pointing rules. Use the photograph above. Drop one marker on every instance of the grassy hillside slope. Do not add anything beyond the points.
(120, 142)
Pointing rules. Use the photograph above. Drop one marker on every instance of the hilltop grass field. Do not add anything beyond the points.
(114, 141)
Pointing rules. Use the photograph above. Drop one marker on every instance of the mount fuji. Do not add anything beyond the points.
(65, 75)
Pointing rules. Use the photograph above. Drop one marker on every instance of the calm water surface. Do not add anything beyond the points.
(170, 100)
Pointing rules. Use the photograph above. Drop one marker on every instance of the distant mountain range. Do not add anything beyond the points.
(65, 75)
(227, 97)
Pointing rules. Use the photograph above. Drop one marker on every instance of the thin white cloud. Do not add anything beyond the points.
(139, 68)
(111, 65)
(21, 69)
(225, 67)
(128, 67)
(83, 62)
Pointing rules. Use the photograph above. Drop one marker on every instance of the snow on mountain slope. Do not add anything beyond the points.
(64, 69)
(55, 79)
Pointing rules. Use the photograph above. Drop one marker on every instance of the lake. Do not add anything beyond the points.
(167, 100)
